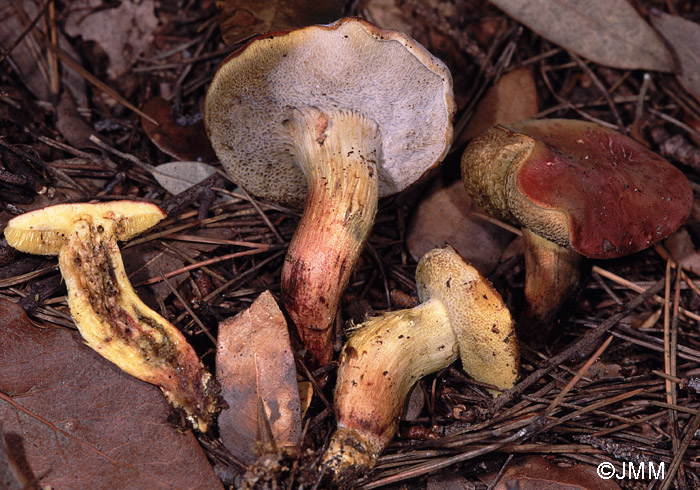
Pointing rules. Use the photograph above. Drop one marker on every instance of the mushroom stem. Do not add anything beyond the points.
(552, 275)
(118, 325)
(338, 152)
(108, 313)
(461, 315)
(382, 360)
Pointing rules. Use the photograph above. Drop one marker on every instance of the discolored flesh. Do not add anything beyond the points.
(108, 313)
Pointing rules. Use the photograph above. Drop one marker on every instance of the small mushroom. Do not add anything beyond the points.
(576, 189)
(335, 117)
(108, 313)
(460, 315)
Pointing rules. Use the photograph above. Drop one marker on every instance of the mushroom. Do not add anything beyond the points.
(577, 189)
(108, 313)
(335, 117)
(460, 315)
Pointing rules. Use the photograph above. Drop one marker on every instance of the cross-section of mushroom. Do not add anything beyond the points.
(577, 189)
(461, 316)
(334, 117)
(108, 313)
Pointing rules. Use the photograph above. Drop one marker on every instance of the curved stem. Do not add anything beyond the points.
(338, 152)
(379, 364)
(119, 326)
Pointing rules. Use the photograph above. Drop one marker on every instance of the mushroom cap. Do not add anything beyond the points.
(350, 65)
(480, 319)
(43, 231)
(578, 184)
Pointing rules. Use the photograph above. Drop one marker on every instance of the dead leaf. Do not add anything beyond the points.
(175, 136)
(70, 123)
(608, 32)
(28, 57)
(176, 177)
(415, 401)
(682, 35)
(447, 215)
(254, 361)
(123, 31)
(388, 14)
(538, 473)
(512, 99)
(239, 19)
(82, 421)
(680, 245)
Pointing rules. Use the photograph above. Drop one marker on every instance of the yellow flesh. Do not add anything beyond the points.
(108, 313)
(462, 315)
(381, 362)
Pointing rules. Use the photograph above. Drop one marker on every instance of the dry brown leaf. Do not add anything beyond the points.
(70, 123)
(447, 215)
(512, 99)
(682, 35)
(29, 57)
(239, 19)
(183, 140)
(82, 422)
(415, 401)
(123, 31)
(254, 361)
(608, 32)
(538, 473)
(680, 245)
(388, 14)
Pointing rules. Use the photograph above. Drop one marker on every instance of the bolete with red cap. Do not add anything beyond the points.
(107, 311)
(577, 189)
(330, 117)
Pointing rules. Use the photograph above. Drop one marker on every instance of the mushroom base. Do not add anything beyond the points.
(339, 152)
(552, 275)
(120, 327)
(379, 365)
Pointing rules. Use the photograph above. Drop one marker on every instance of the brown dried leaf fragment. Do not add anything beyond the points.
(512, 99)
(609, 32)
(254, 362)
(538, 473)
(447, 214)
(682, 35)
(181, 140)
(83, 423)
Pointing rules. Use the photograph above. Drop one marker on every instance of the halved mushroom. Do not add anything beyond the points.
(108, 313)
(577, 189)
(461, 315)
(334, 116)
